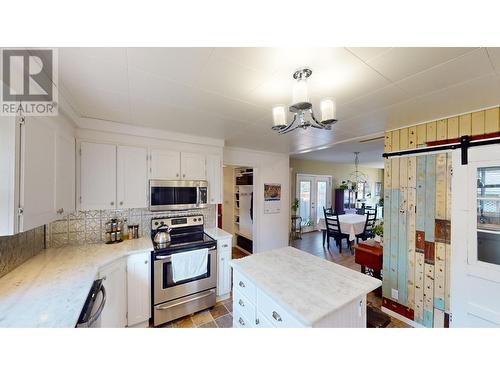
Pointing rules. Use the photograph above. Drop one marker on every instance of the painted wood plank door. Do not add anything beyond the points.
(132, 177)
(475, 235)
(193, 166)
(165, 164)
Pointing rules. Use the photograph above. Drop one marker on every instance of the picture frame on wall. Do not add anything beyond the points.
(272, 198)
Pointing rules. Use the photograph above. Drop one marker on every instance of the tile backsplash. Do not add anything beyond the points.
(17, 249)
(89, 226)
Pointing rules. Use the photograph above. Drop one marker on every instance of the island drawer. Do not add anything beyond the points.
(261, 322)
(276, 314)
(243, 304)
(240, 320)
(244, 286)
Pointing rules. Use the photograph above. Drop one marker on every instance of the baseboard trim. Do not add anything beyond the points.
(402, 318)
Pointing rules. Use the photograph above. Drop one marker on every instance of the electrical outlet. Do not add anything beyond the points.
(394, 293)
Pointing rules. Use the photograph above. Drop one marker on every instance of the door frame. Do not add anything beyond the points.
(314, 178)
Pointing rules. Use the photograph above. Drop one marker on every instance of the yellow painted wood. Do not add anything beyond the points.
(452, 125)
(388, 142)
(428, 287)
(447, 273)
(441, 130)
(421, 135)
(387, 174)
(441, 186)
(411, 218)
(403, 172)
(440, 272)
(419, 288)
(403, 139)
(395, 140)
(477, 123)
(412, 137)
(464, 125)
(431, 131)
(448, 186)
(394, 173)
(492, 121)
(438, 318)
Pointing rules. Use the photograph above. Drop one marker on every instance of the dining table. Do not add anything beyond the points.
(351, 224)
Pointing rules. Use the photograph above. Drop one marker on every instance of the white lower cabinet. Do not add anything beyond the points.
(114, 314)
(252, 308)
(223, 267)
(139, 288)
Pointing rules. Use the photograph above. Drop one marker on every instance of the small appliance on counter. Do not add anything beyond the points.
(175, 299)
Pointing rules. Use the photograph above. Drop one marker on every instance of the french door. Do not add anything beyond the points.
(313, 192)
(475, 236)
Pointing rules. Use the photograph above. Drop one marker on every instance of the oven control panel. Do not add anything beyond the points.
(177, 222)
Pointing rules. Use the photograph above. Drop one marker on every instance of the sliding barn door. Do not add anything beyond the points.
(417, 237)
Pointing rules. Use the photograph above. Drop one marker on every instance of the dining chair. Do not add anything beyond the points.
(371, 217)
(332, 224)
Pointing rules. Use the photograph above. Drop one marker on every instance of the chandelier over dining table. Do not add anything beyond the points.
(303, 114)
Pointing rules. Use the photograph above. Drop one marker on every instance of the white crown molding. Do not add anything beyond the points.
(127, 129)
(242, 149)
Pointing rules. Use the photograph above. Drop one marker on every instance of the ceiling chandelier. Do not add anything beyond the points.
(303, 116)
(356, 177)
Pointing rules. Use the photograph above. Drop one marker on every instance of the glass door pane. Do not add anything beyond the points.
(488, 215)
(321, 199)
(305, 202)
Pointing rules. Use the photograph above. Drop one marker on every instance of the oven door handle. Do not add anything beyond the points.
(206, 294)
(168, 258)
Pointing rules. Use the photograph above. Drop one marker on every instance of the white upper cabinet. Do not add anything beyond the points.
(214, 178)
(132, 177)
(37, 196)
(165, 164)
(65, 174)
(193, 166)
(97, 176)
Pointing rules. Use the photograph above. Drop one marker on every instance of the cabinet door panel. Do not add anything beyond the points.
(132, 177)
(38, 173)
(214, 178)
(193, 166)
(114, 314)
(165, 164)
(98, 176)
(65, 174)
(224, 273)
(139, 288)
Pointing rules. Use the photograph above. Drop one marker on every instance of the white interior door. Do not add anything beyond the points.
(475, 239)
(314, 192)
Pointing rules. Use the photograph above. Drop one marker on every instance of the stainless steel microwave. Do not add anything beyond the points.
(177, 194)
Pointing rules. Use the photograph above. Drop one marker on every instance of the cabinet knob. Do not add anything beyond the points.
(183, 175)
(112, 203)
(121, 203)
(242, 322)
(257, 322)
(225, 245)
(177, 175)
(276, 316)
(242, 284)
(60, 211)
(241, 303)
(145, 262)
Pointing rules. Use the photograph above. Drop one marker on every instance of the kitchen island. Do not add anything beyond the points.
(288, 287)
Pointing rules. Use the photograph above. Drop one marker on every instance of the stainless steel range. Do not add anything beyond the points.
(172, 300)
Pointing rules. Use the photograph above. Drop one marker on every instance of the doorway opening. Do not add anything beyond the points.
(313, 192)
(238, 206)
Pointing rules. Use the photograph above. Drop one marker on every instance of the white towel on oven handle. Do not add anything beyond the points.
(189, 264)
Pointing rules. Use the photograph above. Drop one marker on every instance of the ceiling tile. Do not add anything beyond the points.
(179, 64)
(399, 63)
(469, 66)
(102, 105)
(368, 53)
(494, 54)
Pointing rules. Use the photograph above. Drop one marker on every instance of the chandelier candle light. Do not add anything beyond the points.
(302, 108)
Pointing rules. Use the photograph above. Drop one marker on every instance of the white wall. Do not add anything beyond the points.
(271, 229)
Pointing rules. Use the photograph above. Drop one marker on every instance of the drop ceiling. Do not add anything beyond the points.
(228, 93)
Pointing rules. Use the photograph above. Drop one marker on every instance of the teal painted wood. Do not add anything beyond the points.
(420, 215)
(386, 288)
(430, 192)
(403, 251)
(428, 319)
(419, 320)
(439, 303)
(393, 271)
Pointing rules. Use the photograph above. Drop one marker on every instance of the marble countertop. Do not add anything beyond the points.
(49, 290)
(218, 234)
(309, 287)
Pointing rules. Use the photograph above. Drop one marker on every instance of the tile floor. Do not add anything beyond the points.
(220, 316)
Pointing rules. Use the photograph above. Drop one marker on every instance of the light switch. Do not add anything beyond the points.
(394, 294)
